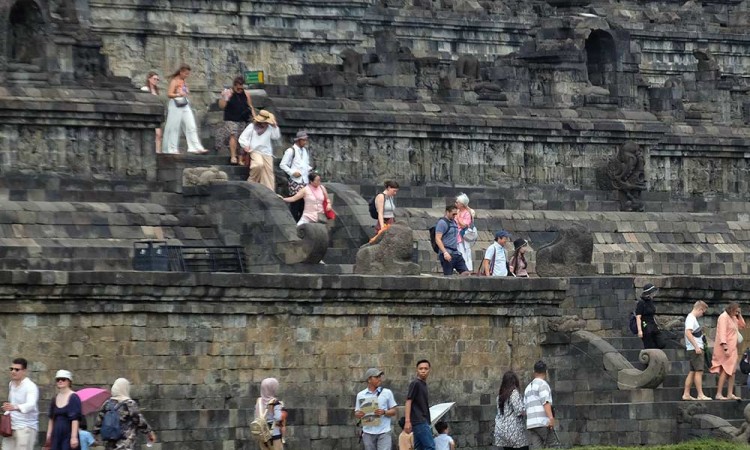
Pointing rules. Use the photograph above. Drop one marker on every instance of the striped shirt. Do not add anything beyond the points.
(535, 396)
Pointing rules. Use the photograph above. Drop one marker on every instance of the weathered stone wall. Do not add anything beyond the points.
(197, 346)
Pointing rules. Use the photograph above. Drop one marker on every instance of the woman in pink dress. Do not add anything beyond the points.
(464, 220)
(314, 194)
(724, 361)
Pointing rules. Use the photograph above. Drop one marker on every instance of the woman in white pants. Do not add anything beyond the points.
(180, 115)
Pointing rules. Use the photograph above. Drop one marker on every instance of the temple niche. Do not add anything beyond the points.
(26, 34)
(63, 98)
(601, 59)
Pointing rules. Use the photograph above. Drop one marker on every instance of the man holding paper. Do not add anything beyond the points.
(374, 407)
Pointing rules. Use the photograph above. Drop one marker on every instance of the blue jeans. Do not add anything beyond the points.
(423, 437)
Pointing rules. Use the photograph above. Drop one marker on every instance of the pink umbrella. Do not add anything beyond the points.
(92, 399)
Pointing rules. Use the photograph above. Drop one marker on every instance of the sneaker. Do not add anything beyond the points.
(198, 152)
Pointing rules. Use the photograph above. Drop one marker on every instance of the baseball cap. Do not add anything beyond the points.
(502, 234)
(372, 372)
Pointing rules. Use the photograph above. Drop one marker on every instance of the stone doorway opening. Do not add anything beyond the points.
(601, 59)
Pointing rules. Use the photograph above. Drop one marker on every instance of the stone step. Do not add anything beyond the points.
(66, 264)
(92, 196)
(20, 181)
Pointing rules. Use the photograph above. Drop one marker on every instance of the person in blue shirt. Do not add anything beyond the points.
(446, 238)
(85, 438)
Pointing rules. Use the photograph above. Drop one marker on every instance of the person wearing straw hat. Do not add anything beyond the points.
(296, 163)
(256, 142)
(374, 407)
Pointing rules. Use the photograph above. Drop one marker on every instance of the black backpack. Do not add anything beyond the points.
(632, 325)
(435, 247)
(373, 208)
(745, 362)
(111, 429)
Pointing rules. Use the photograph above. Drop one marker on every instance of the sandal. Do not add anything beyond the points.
(719, 397)
(734, 397)
(704, 397)
(688, 397)
(233, 160)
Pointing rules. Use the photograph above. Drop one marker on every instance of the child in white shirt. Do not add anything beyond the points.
(443, 441)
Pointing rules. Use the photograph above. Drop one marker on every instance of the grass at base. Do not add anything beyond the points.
(702, 444)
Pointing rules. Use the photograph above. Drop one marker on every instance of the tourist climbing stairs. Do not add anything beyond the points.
(593, 410)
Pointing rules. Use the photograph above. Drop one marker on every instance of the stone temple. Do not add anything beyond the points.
(614, 136)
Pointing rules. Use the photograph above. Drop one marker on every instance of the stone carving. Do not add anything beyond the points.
(313, 247)
(467, 66)
(657, 368)
(628, 377)
(566, 324)
(742, 436)
(203, 176)
(391, 255)
(568, 255)
(626, 171)
(704, 425)
(352, 61)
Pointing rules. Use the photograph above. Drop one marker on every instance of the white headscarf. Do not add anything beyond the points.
(121, 390)
(268, 388)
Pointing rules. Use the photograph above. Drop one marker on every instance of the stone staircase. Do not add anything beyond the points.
(592, 410)
(676, 239)
(64, 223)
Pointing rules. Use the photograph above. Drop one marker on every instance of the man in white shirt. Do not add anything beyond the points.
(495, 263)
(22, 407)
(256, 142)
(694, 347)
(374, 407)
(539, 418)
(296, 164)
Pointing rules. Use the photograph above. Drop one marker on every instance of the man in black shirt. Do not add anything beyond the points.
(418, 409)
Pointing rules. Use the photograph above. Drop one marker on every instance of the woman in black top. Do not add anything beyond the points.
(238, 110)
(645, 311)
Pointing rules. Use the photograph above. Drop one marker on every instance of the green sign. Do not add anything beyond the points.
(254, 77)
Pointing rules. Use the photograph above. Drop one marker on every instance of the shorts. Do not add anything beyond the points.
(697, 363)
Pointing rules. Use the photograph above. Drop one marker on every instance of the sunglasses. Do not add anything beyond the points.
(16, 369)
(57, 380)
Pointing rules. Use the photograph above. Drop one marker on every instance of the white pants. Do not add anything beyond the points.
(465, 250)
(22, 439)
(178, 118)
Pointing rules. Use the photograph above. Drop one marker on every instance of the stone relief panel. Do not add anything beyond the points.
(82, 150)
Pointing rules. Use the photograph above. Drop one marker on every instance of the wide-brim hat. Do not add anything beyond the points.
(264, 116)
(649, 289)
(518, 243)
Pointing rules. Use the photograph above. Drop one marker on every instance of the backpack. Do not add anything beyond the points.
(259, 427)
(632, 324)
(373, 208)
(745, 362)
(111, 429)
(433, 242)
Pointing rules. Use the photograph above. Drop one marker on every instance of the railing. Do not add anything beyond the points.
(158, 256)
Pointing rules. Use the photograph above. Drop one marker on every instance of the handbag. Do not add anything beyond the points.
(6, 430)
(470, 234)
(330, 213)
(180, 102)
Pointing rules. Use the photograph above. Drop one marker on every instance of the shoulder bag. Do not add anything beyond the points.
(180, 102)
(6, 430)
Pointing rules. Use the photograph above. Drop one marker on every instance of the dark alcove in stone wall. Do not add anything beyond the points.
(601, 59)
(26, 33)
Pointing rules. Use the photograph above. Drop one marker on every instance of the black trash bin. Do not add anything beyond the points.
(150, 256)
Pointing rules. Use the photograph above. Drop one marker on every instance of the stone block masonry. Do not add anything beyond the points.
(196, 346)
